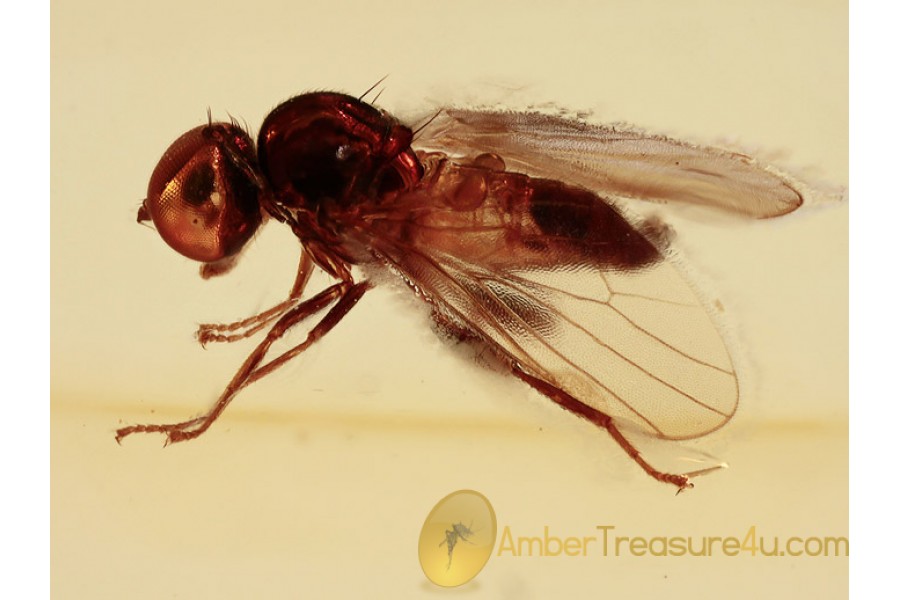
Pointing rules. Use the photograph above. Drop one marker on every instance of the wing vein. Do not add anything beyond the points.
(502, 332)
(603, 344)
(524, 281)
(565, 358)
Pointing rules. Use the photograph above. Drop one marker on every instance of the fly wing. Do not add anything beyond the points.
(617, 162)
(557, 281)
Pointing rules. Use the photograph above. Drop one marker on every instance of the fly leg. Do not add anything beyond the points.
(603, 420)
(347, 295)
(232, 332)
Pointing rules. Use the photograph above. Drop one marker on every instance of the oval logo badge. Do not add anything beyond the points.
(457, 538)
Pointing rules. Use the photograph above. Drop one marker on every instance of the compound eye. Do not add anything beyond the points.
(204, 195)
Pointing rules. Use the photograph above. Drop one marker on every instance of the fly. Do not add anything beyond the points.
(506, 223)
(452, 537)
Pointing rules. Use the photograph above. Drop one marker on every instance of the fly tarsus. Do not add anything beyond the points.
(175, 432)
(600, 419)
(225, 332)
(231, 332)
(343, 295)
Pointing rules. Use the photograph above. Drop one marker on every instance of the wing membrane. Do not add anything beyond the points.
(637, 344)
(615, 162)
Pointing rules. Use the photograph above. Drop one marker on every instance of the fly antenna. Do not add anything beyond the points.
(374, 85)
(208, 116)
(143, 216)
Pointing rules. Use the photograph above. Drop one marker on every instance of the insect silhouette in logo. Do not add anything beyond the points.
(509, 225)
(452, 536)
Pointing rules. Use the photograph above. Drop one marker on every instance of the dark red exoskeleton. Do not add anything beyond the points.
(504, 222)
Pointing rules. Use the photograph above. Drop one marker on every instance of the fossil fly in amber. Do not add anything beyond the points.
(508, 224)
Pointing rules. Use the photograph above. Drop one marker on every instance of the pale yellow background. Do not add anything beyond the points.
(316, 482)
